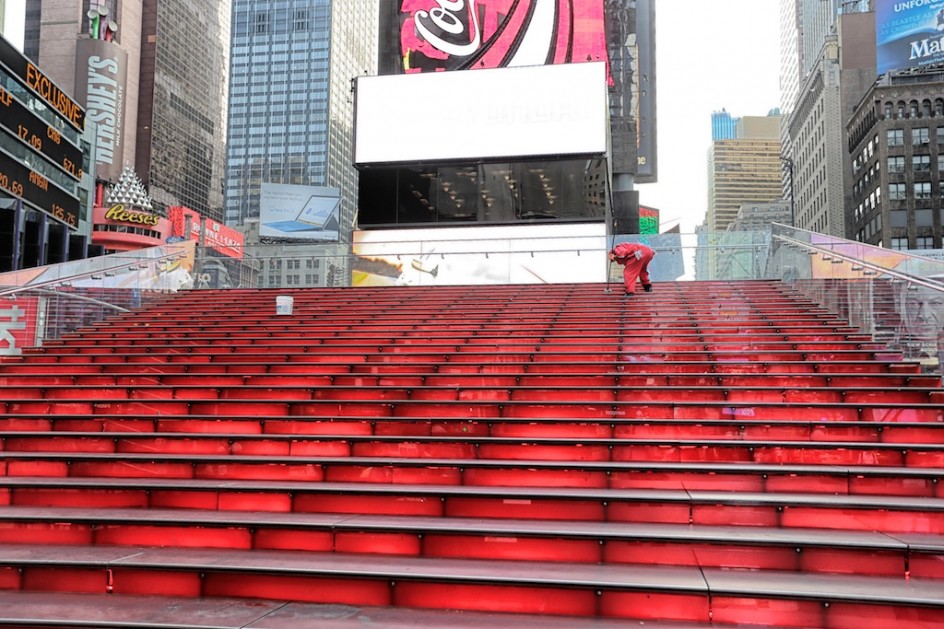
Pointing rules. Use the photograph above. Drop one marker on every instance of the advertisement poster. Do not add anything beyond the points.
(18, 324)
(908, 34)
(291, 212)
(476, 34)
(546, 254)
(101, 78)
(216, 236)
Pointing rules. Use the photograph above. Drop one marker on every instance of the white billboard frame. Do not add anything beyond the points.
(502, 113)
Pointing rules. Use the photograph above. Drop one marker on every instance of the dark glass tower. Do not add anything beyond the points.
(182, 103)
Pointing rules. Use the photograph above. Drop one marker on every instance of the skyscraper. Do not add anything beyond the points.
(804, 26)
(743, 169)
(827, 63)
(291, 102)
(723, 125)
(182, 104)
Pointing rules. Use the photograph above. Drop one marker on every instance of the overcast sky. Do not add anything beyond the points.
(15, 18)
(710, 55)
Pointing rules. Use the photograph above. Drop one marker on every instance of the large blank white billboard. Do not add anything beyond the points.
(499, 113)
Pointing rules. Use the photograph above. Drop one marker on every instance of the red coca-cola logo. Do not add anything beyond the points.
(438, 35)
(444, 20)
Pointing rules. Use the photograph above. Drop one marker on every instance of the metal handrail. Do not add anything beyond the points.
(913, 279)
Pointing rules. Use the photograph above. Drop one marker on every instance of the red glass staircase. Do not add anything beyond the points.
(708, 454)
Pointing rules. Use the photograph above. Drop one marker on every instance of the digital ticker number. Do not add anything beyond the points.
(60, 212)
(40, 136)
(13, 186)
(30, 138)
(31, 186)
(71, 168)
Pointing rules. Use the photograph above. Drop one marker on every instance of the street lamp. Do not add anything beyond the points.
(789, 162)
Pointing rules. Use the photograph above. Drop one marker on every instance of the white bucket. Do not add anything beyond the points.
(283, 305)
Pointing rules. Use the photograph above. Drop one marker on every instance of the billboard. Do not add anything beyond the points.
(290, 212)
(100, 79)
(643, 103)
(908, 34)
(441, 35)
(40, 84)
(436, 35)
(217, 236)
(648, 220)
(515, 112)
(508, 254)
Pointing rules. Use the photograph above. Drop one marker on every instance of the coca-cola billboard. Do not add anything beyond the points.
(436, 35)
(442, 35)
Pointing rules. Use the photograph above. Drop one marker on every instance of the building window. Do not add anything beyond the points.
(924, 242)
(896, 191)
(896, 165)
(922, 190)
(302, 20)
(261, 23)
(921, 163)
(940, 135)
(920, 135)
(899, 244)
(895, 137)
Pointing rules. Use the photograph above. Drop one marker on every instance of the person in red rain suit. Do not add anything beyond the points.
(635, 258)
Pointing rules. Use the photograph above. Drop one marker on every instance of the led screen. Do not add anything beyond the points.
(532, 254)
(648, 220)
(475, 34)
(441, 35)
(514, 112)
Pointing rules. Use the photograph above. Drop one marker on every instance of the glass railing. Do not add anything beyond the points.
(46, 302)
(896, 297)
(546, 254)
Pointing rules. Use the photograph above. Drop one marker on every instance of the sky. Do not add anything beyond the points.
(16, 16)
(710, 55)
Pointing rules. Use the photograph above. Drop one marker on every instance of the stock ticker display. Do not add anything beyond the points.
(40, 160)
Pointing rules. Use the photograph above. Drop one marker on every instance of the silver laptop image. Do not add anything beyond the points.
(318, 214)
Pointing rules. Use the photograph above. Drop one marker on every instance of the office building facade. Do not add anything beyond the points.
(896, 140)
(827, 63)
(744, 169)
(291, 111)
(181, 152)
